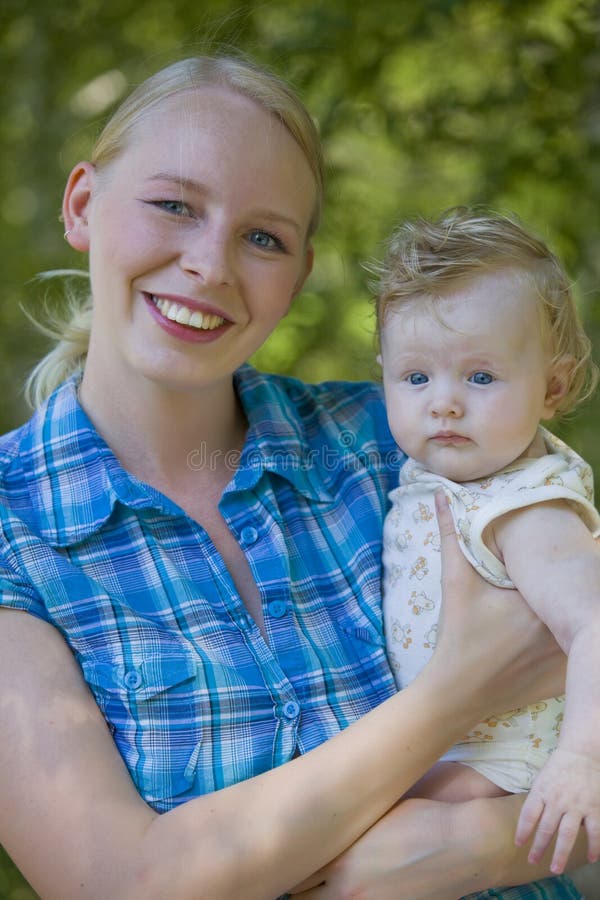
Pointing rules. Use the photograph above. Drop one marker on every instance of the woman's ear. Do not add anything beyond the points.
(558, 382)
(75, 208)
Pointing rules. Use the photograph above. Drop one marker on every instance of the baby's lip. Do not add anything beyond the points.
(451, 437)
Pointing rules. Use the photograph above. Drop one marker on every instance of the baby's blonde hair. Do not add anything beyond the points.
(70, 325)
(425, 258)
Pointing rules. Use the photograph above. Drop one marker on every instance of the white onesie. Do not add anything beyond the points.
(509, 748)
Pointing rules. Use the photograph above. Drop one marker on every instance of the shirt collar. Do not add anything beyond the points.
(72, 480)
(277, 439)
(70, 477)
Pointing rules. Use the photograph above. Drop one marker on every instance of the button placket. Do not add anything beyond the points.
(249, 535)
(277, 608)
(132, 679)
(291, 710)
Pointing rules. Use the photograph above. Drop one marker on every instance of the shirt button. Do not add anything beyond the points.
(277, 608)
(291, 709)
(132, 679)
(249, 535)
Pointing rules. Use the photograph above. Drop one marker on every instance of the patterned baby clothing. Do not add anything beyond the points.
(510, 747)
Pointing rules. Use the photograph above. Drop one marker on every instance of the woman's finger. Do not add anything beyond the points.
(314, 881)
(444, 516)
(319, 892)
(458, 575)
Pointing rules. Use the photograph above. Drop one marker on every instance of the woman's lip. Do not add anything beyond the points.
(194, 305)
(184, 332)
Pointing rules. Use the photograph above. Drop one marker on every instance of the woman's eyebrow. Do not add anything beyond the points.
(191, 184)
(180, 181)
(274, 216)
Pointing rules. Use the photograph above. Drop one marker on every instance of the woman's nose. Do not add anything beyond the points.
(206, 257)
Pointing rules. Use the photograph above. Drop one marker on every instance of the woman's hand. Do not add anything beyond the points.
(406, 853)
(427, 850)
(485, 629)
(421, 849)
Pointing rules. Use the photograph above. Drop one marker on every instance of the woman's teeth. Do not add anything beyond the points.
(184, 316)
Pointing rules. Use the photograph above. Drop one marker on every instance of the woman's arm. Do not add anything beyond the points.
(428, 850)
(73, 822)
(442, 851)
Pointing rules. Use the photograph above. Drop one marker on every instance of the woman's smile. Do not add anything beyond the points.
(182, 321)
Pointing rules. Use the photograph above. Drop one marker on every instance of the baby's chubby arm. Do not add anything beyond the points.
(554, 562)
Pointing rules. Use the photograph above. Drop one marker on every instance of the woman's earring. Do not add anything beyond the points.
(67, 233)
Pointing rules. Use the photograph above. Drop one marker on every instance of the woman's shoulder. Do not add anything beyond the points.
(323, 408)
(29, 451)
(340, 426)
(12, 446)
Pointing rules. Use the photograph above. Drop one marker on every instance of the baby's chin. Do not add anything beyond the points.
(460, 470)
(461, 475)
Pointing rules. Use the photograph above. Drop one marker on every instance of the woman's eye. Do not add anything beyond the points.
(481, 378)
(417, 378)
(175, 207)
(264, 240)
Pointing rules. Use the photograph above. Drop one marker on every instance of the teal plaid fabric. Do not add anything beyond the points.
(548, 889)
(193, 695)
(195, 698)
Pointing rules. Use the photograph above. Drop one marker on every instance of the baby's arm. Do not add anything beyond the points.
(554, 562)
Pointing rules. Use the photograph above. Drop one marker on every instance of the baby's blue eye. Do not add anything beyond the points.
(481, 378)
(417, 378)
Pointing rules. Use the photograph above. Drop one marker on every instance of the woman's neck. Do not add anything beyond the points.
(161, 435)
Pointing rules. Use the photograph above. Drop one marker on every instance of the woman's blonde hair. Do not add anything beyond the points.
(70, 326)
(424, 259)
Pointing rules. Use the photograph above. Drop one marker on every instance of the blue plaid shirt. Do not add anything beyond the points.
(195, 698)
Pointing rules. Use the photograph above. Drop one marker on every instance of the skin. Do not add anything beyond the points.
(192, 225)
(72, 819)
(467, 380)
(76, 827)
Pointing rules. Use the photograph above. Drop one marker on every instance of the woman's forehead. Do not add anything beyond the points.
(198, 119)
(212, 110)
(225, 141)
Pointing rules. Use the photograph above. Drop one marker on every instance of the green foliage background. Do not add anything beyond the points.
(421, 105)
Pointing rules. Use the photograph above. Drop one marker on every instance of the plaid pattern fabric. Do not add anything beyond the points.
(547, 889)
(194, 697)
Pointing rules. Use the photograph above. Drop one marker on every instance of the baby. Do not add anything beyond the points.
(480, 342)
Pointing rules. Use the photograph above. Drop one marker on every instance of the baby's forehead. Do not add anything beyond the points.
(482, 316)
(484, 297)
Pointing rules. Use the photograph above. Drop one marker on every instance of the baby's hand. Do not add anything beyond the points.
(564, 796)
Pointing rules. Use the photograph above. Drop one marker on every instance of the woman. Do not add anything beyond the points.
(198, 548)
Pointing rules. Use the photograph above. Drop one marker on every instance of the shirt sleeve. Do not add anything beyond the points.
(16, 592)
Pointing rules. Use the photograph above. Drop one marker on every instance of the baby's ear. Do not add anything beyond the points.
(558, 382)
